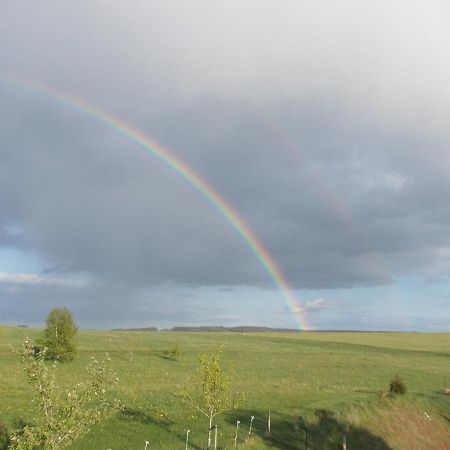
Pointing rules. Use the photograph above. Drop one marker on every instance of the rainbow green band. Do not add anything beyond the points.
(155, 149)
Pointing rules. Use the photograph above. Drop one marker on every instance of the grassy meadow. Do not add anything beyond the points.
(328, 383)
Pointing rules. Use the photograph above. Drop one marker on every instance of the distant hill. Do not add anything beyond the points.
(136, 329)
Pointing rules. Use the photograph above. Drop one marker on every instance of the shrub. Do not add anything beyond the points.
(397, 386)
(175, 352)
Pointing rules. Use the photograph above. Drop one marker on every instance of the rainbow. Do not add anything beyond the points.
(155, 149)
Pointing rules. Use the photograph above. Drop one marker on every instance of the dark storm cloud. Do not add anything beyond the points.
(321, 124)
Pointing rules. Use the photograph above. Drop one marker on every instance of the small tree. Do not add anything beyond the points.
(59, 334)
(63, 415)
(211, 394)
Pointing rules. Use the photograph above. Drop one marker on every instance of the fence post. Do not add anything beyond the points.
(251, 423)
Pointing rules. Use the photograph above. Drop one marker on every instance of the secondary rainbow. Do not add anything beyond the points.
(151, 146)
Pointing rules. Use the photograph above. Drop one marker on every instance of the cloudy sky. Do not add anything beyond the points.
(322, 124)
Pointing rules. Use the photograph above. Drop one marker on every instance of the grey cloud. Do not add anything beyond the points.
(92, 202)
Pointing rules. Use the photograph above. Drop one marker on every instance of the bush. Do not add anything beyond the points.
(397, 386)
(58, 336)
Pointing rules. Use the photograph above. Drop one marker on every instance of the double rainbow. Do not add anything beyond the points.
(155, 149)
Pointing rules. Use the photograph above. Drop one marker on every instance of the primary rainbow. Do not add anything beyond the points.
(154, 148)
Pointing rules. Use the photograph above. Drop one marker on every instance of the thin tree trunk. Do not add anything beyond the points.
(209, 431)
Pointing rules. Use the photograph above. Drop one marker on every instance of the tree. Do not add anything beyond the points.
(59, 334)
(63, 415)
(211, 393)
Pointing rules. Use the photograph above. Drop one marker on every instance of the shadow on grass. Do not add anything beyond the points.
(5, 441)
(163, 355)
(144, 417)
(370, 392)
(441, 401)
(129, 357)
(292, 433)
(5, 436)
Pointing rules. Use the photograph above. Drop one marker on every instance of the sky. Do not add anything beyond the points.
(322, 125)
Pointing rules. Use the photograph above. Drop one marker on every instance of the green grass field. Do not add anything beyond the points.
(331, 380)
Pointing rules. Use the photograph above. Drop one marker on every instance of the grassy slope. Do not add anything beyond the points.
(332, 380)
